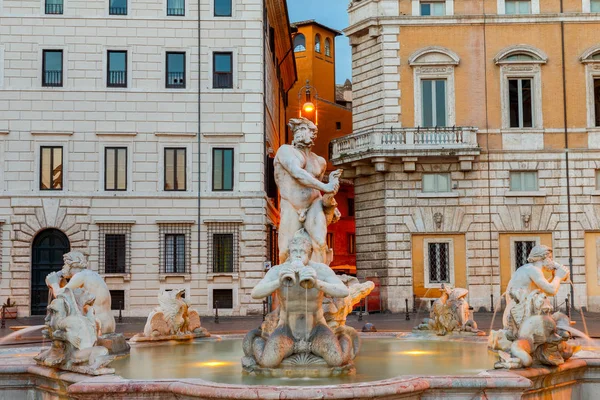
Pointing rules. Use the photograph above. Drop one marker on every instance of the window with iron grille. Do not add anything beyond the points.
(222, 298)
(439, 262)
(175, 70)
(223, 247)
(175, 251)
(175, 169)
(117, 299)
(114, 256)
(176, 8)
(223, 70)
(51, 168)
(117, 7)
(115, 168)
(522, 250)
(54, 6)
(52, 68)
(117, 69)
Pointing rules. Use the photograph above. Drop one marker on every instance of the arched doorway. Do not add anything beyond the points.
(46, 256)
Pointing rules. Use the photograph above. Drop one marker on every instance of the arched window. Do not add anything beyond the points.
(328, 47)
(521, 86)
(318, 43)
(591, 59)
(299, 43)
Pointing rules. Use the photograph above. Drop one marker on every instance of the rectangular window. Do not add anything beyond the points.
(175, 70)
(115, 168)
(351, 243)
(222, 70)
(522, 250)
(436, 183)
(222, 169)
(117, 69)
(117, 299)
(523, 181)
(51, 168)
(338, 126)
(222, 8)
(330, 240)
(439, 263)
(175, 166)
(520, 102)
(595, 5)
(52, 68)
(176, 8)
(597, 101)
(435, 8)
(222, 298)
(54, 6)
(351, 207)
(516, 7)
(175, 253)
(117, 7)
(223, 252)
(114, 254)
(433, 102)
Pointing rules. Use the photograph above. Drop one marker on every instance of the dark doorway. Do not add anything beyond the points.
(46, 256)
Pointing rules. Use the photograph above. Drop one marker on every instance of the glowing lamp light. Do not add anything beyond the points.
(213, 364)
(415, 353)
(308, 107)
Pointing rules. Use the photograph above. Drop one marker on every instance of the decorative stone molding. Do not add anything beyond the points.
(509, 218)
(438, 218)
(533, 71)
(433, 55)
(592, 72)
(526, 218)
(539, 57)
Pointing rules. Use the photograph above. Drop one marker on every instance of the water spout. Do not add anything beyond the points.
(29, 329)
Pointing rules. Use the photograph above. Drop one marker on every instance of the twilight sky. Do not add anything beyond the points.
(331, 13)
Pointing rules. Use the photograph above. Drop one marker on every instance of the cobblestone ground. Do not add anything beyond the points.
(240, 325)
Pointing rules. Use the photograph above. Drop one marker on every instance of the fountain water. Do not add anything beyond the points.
(7, 339)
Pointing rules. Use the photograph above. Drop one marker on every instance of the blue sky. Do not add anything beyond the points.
(331, 13)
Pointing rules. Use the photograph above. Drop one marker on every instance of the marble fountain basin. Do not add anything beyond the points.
(389, 366)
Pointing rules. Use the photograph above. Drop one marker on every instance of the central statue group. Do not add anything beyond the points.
(297, 339)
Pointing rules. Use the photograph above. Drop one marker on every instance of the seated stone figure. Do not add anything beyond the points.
(75, 274)
(71, 327)
(301, 334)
(172, 319)
(337, 309)
(450, 313)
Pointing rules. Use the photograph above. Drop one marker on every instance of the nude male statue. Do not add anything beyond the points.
(530, 277)
(301, 285)
(298, 174)
(75, 274)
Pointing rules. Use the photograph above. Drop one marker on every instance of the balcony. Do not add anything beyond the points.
(382, 146)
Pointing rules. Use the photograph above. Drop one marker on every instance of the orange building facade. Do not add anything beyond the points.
(314, 50)
(476, 135)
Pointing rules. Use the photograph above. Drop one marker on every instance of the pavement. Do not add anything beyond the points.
(239, 325)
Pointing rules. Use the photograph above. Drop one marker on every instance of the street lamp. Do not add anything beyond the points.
(308, 107)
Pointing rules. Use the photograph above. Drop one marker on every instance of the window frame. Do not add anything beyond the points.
(62, 8)
(223, 228)
(175, 15)
(512, 241)
(214, 72)
(416, 7)
(176, 269)
(327, 45)
(118, 14)
(108, 70)
(590, 6)
(185, 169)
(62, 162)
(298, 35)
(317, 43)
(426, 265)
(431, 2)
(171, 86)
(351, 237)
(111, 228)
(592, 73)
(501, 7)
(517, 7)
(436, 176)
(214, 149)
(214, 4)
(520, 102)
(521, 174)
(62, 67)
(116, 168)
(434, 103)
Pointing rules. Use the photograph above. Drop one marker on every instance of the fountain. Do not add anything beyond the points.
(304, 349)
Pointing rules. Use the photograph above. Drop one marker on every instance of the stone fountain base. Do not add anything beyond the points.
(427, 332)
(197, 334)
(303, 365)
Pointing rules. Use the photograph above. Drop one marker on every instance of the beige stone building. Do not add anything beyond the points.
(476, 136)
(102, 149)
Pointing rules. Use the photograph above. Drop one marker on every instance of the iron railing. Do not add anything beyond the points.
(439, 271)
(403, 139)
(175, 248)
(223, 247)
(53, 78)
(222, 80)
(176, 80)
(54, 8)
(114, 255)
(117, 79)
(176, 11)
(522, 250)
(117, 10)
